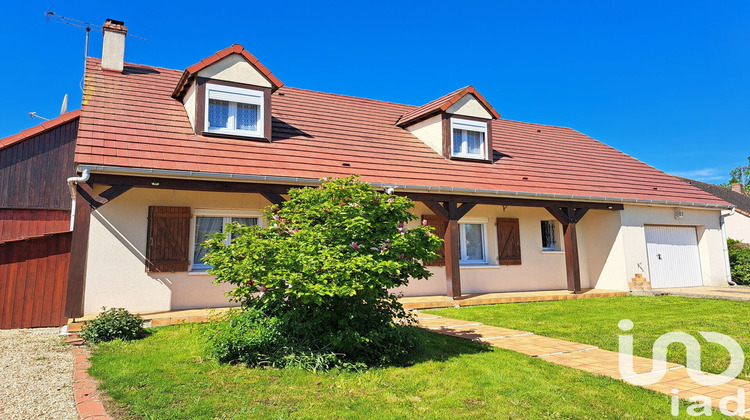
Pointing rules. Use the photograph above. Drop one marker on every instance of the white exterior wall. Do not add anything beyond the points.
(540, 270)
(235, 68)
(612, 249)
(738, 227)
(430, 131)
(469, 106)
(708, 227)
(115, 269)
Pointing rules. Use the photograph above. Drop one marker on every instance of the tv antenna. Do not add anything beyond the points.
(49, 15)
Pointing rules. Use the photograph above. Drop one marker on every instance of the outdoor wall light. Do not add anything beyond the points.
(678, 214)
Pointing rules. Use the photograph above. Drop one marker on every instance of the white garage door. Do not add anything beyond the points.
(673, 258)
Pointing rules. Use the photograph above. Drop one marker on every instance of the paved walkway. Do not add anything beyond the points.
(584, 357)
(741, 293)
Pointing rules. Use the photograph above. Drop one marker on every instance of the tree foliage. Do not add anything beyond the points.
(741, 174)
(322, 267)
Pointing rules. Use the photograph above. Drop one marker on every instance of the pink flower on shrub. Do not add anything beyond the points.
(424, 222)
(355, 245)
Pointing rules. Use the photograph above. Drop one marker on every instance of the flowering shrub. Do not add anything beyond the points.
(323, 266)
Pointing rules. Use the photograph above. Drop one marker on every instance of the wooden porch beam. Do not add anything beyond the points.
(96, 201)
(509, 201)
(462, 210)
(452, 257)
(572, 262)
(569, 218)
(190, 184)
(78, 252)
(274, 198)
(438, 209)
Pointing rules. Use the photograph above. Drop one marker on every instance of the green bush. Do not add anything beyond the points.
(739, 261)
(319, 274)
(113, 324)
(252, 338)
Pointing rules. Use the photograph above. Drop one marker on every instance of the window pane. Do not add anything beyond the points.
(474, 142)
(247, 221)
(458, 141)
(468, 142)
(204, 226)
(548, 234)
(247, 117)
(218, 113)
(474, 242)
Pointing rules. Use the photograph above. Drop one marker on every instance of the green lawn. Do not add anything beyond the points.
(168, 376)
(594, 321)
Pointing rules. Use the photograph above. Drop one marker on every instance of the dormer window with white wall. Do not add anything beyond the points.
(229, 94)
(234, 111)
(468, 139)
(458, 125)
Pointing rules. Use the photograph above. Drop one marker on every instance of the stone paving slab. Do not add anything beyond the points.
(482, 332)
(536, 345)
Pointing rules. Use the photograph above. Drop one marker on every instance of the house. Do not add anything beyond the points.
(736, 223)
(163, 157)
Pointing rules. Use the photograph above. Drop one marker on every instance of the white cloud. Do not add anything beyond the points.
(706, 175)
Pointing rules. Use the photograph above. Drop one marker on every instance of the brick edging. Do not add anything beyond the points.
(87, 401)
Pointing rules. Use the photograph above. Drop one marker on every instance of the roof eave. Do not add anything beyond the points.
(297, 181)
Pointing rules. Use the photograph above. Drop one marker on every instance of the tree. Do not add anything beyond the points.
(741, 174)
(323, 266)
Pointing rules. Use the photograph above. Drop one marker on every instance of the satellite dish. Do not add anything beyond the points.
(64, 107)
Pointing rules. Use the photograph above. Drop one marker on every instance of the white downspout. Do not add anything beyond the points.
(72, 181)
(726, 246)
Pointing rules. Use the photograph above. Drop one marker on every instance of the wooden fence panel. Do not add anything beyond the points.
(33, 281)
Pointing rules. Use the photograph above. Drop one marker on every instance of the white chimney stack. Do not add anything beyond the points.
(113, 48)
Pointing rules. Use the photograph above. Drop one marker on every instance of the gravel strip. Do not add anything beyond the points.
(37, 375)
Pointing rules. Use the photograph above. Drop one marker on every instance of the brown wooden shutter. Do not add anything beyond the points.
(168, 240)
(439, 224)
(508, 241)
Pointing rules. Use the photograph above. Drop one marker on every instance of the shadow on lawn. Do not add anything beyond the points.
(435, 347)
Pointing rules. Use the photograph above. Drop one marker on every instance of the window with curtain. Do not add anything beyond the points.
(232, 110)
(208, 225)
(472, 242)
(469, 138)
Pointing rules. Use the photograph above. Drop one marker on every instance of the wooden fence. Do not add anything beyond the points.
(33, 281)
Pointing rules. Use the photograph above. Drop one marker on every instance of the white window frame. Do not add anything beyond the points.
(199, 266)
(556, 230)
(469, 125)
(463, 258)
(235, 95)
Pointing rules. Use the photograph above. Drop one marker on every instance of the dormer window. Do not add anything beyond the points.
(468, 139)
(234, 111)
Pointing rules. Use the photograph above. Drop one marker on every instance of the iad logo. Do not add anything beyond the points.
(702, 404)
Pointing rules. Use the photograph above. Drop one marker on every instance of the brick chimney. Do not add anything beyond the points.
(113, 48)
(737, 187)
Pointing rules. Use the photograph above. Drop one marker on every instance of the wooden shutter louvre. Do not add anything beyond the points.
(439, 224)
(168, 239)
(508, 241)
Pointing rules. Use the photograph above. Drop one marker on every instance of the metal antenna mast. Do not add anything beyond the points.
(50, 15)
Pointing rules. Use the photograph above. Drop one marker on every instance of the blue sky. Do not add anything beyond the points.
(666, 82)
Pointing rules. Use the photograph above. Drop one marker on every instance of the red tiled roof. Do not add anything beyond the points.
(37, 129)
(130, 120)
(234, 49)
(442, 104)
